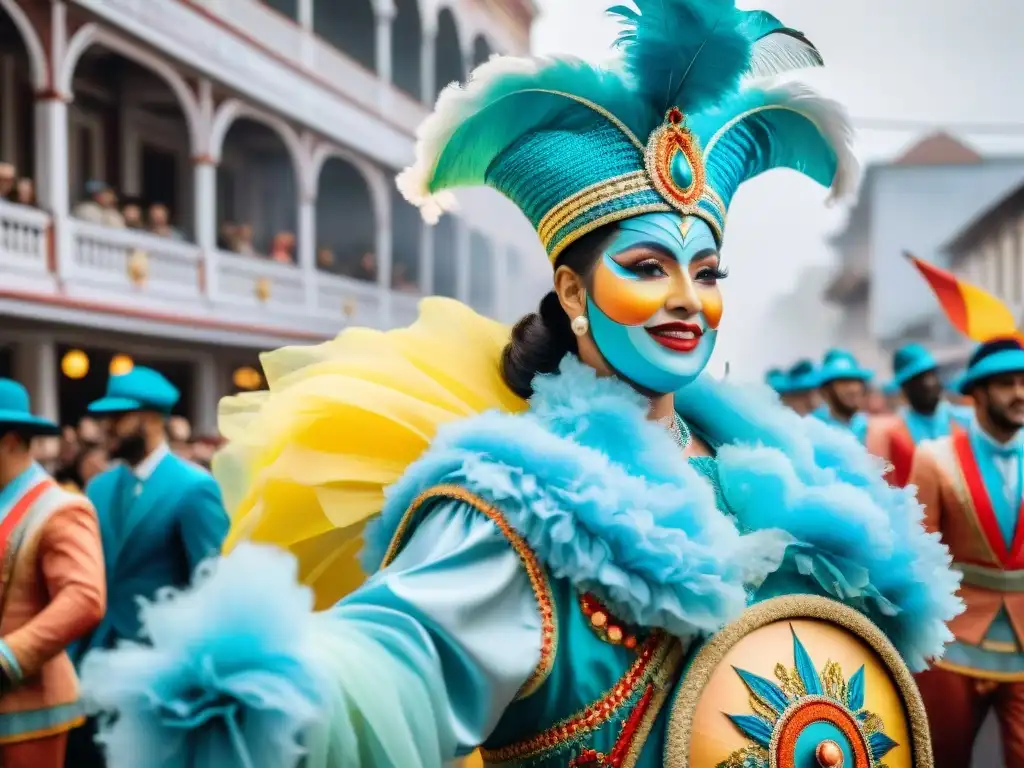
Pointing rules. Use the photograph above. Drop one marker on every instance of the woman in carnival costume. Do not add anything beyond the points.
(572, 510)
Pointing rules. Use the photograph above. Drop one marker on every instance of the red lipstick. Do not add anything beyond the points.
(679, 337)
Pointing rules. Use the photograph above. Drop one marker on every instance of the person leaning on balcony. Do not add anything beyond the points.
(8, 179)
(100, 206)
(160, 516)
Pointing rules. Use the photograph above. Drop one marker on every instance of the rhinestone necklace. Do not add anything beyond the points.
(678, 429)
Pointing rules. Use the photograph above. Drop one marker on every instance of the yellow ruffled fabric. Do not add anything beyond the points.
(307, 461)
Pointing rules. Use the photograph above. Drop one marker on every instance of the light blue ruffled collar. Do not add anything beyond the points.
(603, 497)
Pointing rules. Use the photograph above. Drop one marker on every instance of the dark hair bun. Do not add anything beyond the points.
(538, 343)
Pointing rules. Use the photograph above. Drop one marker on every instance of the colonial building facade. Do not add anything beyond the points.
(265, 136)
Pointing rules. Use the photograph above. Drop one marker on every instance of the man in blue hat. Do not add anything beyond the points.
(843, 386)
(160, 516)
(926, 415)
(971, 484)
(800, 388)
(52, 592)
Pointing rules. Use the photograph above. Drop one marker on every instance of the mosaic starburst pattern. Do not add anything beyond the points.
(801, 697)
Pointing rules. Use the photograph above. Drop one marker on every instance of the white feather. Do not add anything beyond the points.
(778, 53)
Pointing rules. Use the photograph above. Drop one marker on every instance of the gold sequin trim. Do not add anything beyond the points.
(658, 663)
(534, 570)
(586, 229)
(574, 205)
(700, 671)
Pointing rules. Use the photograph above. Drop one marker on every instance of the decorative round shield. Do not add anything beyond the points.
(798, 682)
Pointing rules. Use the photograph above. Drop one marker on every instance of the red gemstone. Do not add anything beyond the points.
(675, 116)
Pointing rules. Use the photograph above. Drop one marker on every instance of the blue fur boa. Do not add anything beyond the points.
(601, 495)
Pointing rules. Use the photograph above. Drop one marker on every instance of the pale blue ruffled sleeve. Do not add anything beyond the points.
(413, 669)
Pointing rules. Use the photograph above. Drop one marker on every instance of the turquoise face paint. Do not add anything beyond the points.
(636, 303)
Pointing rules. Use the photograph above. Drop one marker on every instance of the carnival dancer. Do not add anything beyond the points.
(800, 388)
(160, 516)
(542, 570)
(970, 485)
(843, 385)
(51, 592)
(926, 416)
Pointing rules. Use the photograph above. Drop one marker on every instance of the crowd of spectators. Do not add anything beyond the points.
(15, 189)
(102, 206)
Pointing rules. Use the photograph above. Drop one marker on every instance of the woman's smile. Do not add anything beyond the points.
(678, 337)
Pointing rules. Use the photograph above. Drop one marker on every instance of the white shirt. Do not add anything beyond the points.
(1006, 457)
(145, 468)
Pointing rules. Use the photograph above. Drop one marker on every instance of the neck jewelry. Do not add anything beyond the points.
(678, 429)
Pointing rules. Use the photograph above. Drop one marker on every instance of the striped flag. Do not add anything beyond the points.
(974, 312)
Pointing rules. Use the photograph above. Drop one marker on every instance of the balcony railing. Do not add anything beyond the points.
(138, 271)
(24, 244)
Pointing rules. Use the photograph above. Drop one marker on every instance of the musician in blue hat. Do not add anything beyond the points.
(927, 415)
(51, 592)
(843, 386)
(160, 516)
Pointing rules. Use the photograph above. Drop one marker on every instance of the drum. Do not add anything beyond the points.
(798, 682)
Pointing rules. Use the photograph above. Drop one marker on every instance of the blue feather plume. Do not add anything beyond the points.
(757, 728)
(805, 668)
(775, 48)
(765, 690)
(683, 53)
(855, 691)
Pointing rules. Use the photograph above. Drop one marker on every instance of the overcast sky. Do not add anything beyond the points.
(936, 61)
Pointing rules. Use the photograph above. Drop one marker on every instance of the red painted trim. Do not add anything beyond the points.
(982, 503)
(163, 317)
(901, 453)
(321, 81)
(20, 509)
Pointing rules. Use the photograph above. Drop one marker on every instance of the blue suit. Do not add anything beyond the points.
(155, 532)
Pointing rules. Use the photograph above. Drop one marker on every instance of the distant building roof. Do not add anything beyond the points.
(938, 149)
(984, 223)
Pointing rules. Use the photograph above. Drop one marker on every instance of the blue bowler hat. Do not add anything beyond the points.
(16, 414)
(141, 389)
(910, 361)
(991, 359)
(801, 377)
(776, 379)
(838, 364)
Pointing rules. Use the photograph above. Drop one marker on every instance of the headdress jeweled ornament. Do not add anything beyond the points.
(675, 164)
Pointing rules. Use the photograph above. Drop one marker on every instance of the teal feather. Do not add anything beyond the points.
(765, 690)
(776, 48)
(683, 53)
(805, 668)
(757, 728)
(506, 100)
(855, 691)
(759, 130)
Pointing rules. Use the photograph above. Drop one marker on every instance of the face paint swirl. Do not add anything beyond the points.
(654, 302)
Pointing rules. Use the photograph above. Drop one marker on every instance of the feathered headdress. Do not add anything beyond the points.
(678, 125)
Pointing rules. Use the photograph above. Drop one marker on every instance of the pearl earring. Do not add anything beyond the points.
(580, 325)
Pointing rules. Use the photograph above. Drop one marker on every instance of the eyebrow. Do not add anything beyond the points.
(704, 253)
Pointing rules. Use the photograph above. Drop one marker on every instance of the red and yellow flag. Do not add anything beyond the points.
(974, 312)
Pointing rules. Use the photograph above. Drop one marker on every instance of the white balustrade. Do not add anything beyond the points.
(127, 259)
(24, 242)
(404, 308)
(257, 282)
(352, 301)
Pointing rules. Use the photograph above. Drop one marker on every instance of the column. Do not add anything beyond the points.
(426, 259)
(385, 258)
(206, 385)
(51, 172)
(35, 366)
(204, 215)
(9, 111)
(462, 262)
(384, 11)
(305, 20)
(1011, 265)
(306, 255)
(428, 66)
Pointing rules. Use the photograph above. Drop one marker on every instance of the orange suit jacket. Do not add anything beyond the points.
(57, 593)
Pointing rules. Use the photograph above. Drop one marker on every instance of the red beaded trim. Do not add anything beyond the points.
(606, 626)
(534, 570)
(650, 658)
